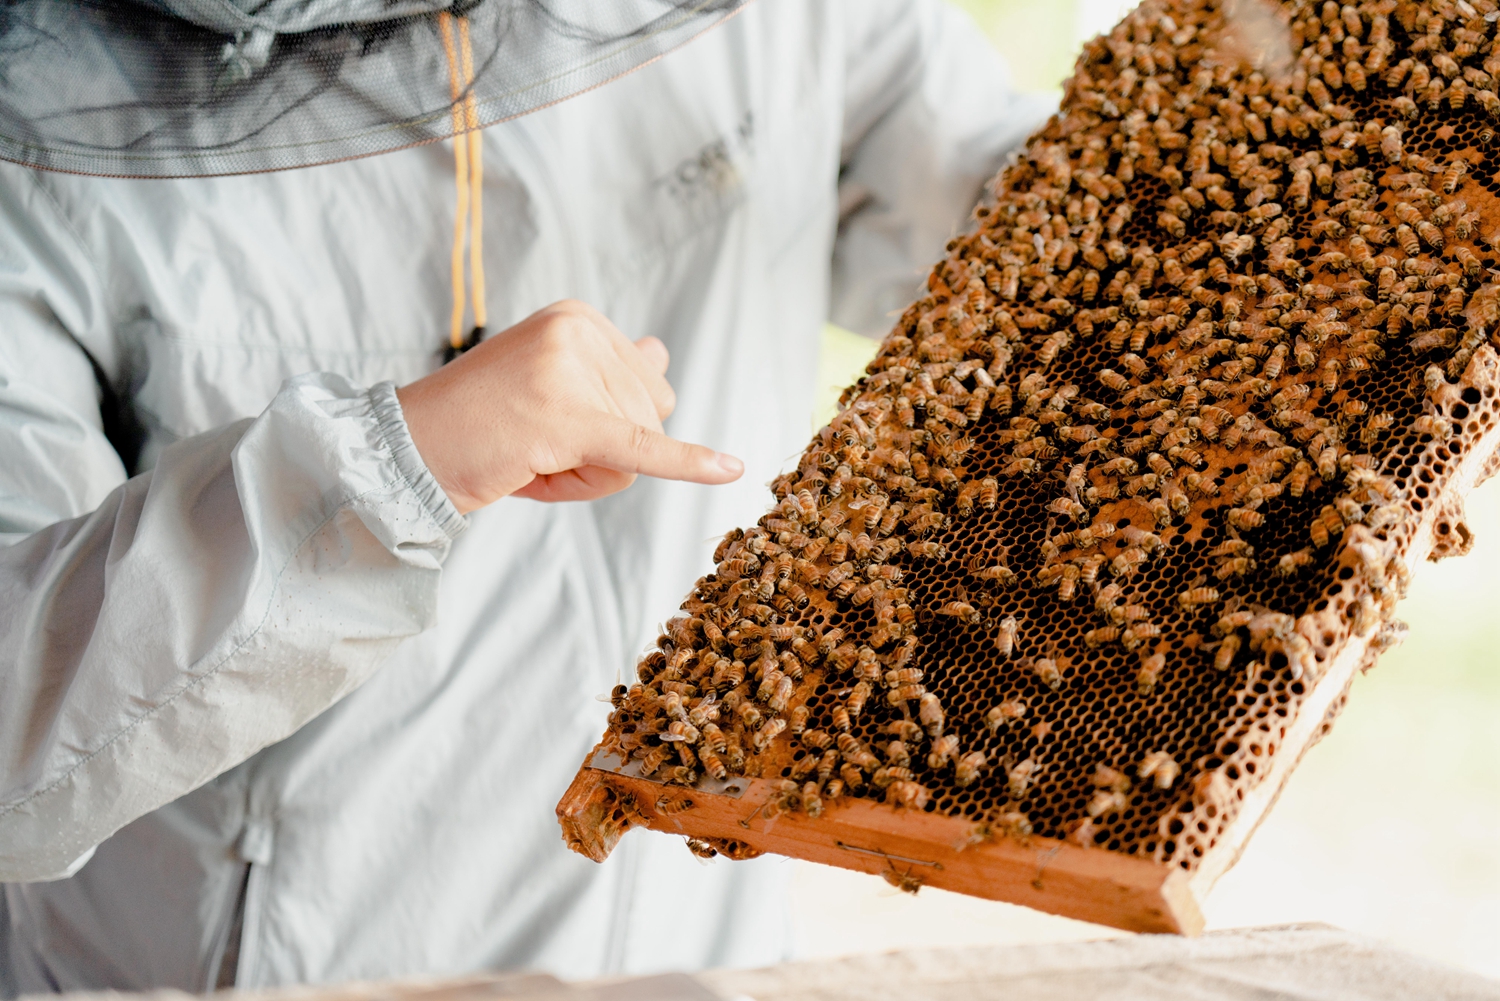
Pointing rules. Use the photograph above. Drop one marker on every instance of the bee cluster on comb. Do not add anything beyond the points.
(1090, 556)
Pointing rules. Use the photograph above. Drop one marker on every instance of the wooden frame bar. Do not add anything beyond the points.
(917, 848)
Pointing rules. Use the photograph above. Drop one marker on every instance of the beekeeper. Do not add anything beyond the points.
(297, 653)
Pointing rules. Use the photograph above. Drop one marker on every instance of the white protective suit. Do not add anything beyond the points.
(273, 675)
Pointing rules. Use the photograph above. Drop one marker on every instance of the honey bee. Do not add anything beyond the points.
(1468, 260)
(855, 703)
(1015, 825)
(1082, 831)
(1107, 801)
(1047, 670)
(1102, 493)
(668, 804)
(1238, 566)
(924, 521)
(903, 676)
(1096, 638)
(908, 647)
(906, 794)
(654, 758)
(1150, 672)
(1159, 765)
(1232, 547)
(1018, 778)
(812, 802)
(1224, 655)
(1067, 586)
(867, 665)
(930, 714)
(998, 572)
(907, 881)
(948, 480)
(1176, 498)
(701, 848)
(1004, 714)
(1078, 433)
(1069, 507)
(703, 712)
(1138, 634)
(1390, 143)
(1196, 596)
(796, 595)
(903, 730)
(1406, 238)
(905, 694)
(1005, 637)
(898, 755)
(728, 674)
(1320, 531)
(785, 798)
(944, 749)
(1386, 516)
(856, 753)
(1390, 635)
(1292, 563)
(1245, 519)
(768, 732)
(1434, 426)
(927, 550)
(966, 769)
(961, 610)
(684, 774)
(1022, 467)
(1128, 561)
(1454, 172)
(1274, 362)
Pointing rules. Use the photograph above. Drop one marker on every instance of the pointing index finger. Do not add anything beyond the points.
(631, 448)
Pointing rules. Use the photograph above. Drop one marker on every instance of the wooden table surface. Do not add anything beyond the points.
(1294, 962)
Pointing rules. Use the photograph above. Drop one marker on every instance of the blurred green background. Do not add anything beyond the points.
(1391, 826)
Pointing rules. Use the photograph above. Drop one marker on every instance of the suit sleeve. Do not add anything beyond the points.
(929, 116)
(157, 630)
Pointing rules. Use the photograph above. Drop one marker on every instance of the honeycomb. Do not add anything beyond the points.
(1150, 453)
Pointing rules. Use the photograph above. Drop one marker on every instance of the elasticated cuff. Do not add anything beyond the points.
(391, 423)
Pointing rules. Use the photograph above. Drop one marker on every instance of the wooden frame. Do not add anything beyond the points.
(915, 848)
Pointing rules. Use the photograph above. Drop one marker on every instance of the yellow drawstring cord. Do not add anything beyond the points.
(468, 177)
(476, 177)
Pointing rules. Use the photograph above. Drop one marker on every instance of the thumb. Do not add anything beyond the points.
(630, 448)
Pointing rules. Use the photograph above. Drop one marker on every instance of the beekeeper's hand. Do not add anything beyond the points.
(560, 407)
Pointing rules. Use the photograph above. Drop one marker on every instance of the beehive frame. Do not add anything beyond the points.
(1053, 608)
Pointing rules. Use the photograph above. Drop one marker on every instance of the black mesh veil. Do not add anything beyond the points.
(131, 89)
